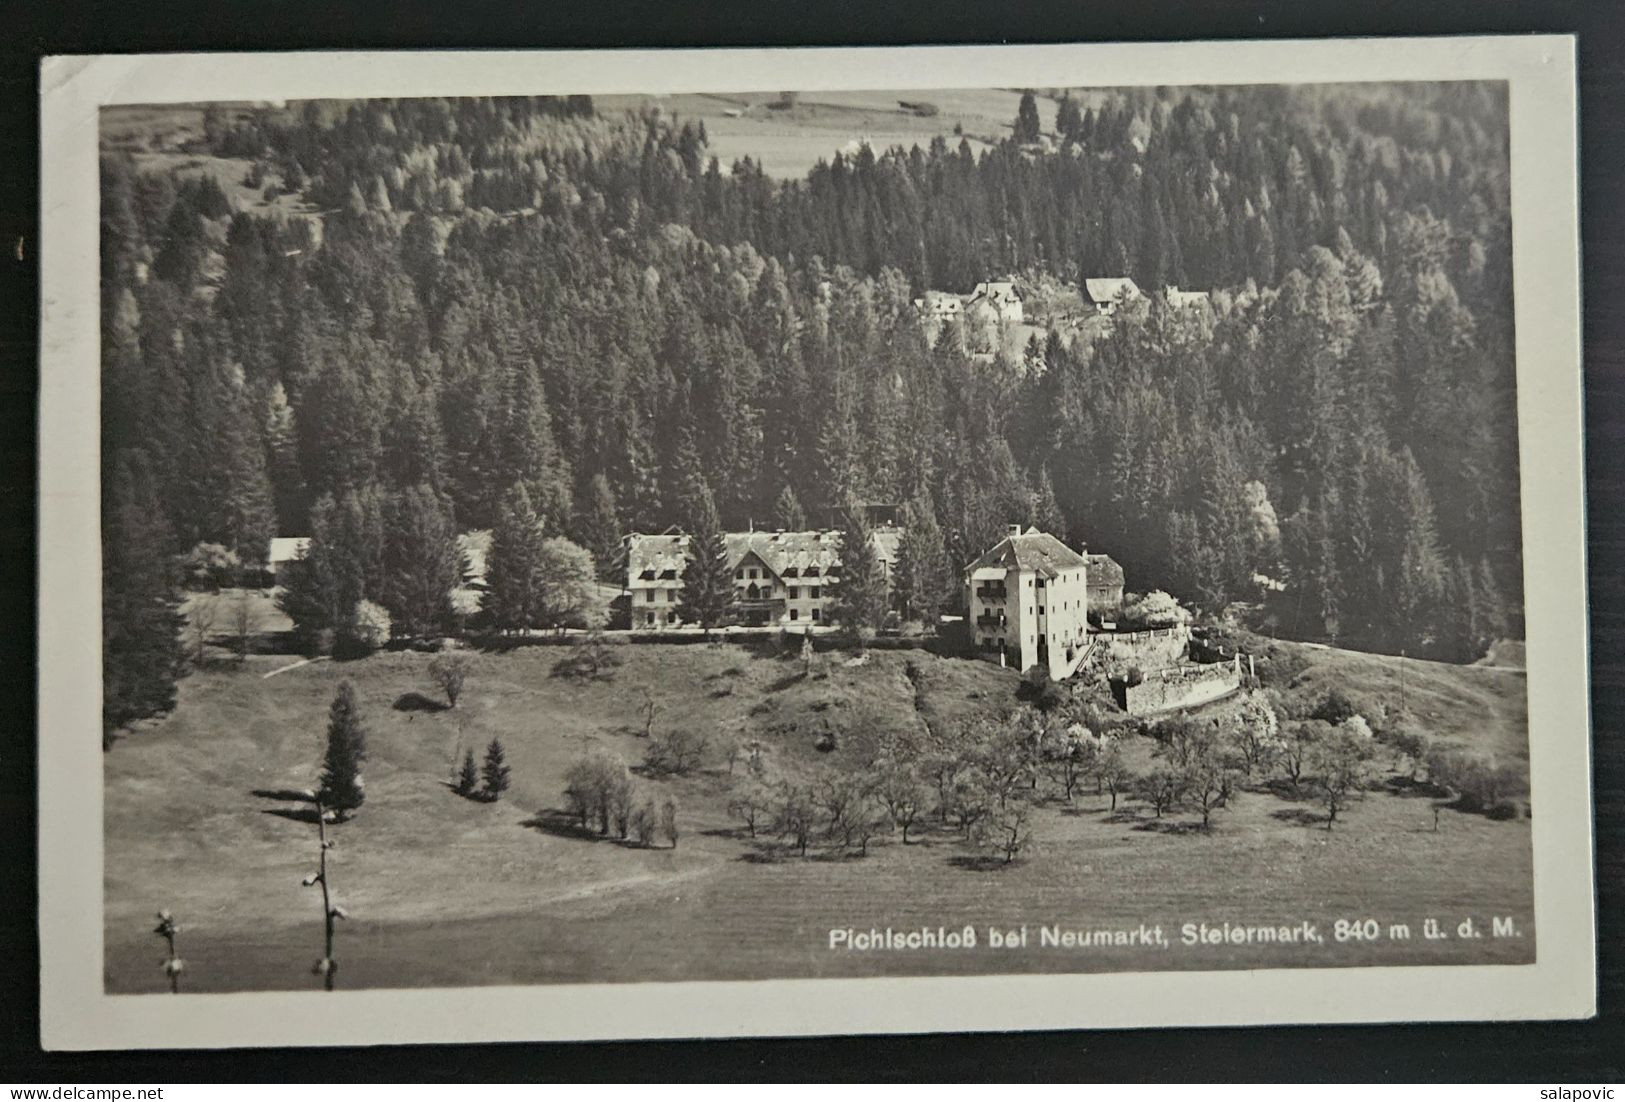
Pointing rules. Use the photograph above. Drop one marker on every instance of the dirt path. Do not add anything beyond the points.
(292, 666)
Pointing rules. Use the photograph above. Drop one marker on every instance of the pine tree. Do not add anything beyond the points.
(494, 772)
(141, 621)
(468, 777)
(788, 515)
(708, 584)
(860, 588)
(921, 574)
(341, 788)
(513, 591)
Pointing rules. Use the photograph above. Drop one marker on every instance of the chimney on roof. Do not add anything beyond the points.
(1015, 530)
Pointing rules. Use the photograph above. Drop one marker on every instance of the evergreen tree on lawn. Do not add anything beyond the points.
(494, 773)
(468, 777)
(860, 588)
(708, 584)
(341, 788)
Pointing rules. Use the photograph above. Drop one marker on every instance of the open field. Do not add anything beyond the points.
(447, 891)
(787, 142)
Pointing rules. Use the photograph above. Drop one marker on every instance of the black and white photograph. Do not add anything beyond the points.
(813, 533)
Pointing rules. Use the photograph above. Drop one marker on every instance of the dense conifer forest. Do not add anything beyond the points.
(484, 294)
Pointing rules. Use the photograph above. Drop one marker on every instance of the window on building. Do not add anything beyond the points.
(739, 575)
(794, 592)
(671, 617)
(795, 614)
(651, 619)
(815, 615)
(651, 594)
(753, 573)
(1040, 610)
(812, 592)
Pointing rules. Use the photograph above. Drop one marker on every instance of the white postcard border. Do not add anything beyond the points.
(75, 1011)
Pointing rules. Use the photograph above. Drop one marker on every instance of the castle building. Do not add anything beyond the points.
(1028, 603)
(780, 578)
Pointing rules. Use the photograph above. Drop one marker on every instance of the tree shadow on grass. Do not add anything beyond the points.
(299, 795)
(417, 702)
(787, 680)
(1172, 826)
(981, 862)
(297, 814)
(1299, 816)
(1123, 815)
(1400, 785)
(562, 824)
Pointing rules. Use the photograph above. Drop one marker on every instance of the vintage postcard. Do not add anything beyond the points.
(753, 542)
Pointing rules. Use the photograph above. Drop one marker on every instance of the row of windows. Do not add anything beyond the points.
(756, 573)
(653, 618)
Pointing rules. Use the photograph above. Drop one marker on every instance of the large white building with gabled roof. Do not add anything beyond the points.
(780, 578)
(1028, 603)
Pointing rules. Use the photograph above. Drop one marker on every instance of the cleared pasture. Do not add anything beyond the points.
(444, 890)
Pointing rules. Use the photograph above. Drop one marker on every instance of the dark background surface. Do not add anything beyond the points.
(1548, 1052)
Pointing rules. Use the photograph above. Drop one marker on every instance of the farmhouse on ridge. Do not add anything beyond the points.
(1028, 602)
(779, 577)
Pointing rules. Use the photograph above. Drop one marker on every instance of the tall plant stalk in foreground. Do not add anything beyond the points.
(327, 967)
(167, 929)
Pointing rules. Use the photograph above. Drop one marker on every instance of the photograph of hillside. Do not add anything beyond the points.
(565, 539)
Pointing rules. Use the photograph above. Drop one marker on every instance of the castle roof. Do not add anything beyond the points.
(1031, 550)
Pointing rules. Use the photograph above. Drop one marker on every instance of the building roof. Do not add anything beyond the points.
(998, 290)
(1104, 570)
(286, 549)
(662, 557)
(1109, 289)
(1032, 550)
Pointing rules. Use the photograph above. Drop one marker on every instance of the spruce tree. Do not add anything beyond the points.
(494, 773)
(920, 578)
(513, 590)
(141, 621)
(1027, 126)
(600, 528)
(708, 584)
(1046, 511)
(422, 564)
(860, 588)
(468, 777)
(341, 788)
(787, 512)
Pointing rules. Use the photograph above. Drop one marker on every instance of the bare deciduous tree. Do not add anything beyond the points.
(450, 673)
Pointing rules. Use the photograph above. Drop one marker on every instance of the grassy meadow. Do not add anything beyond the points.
(447, 891)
